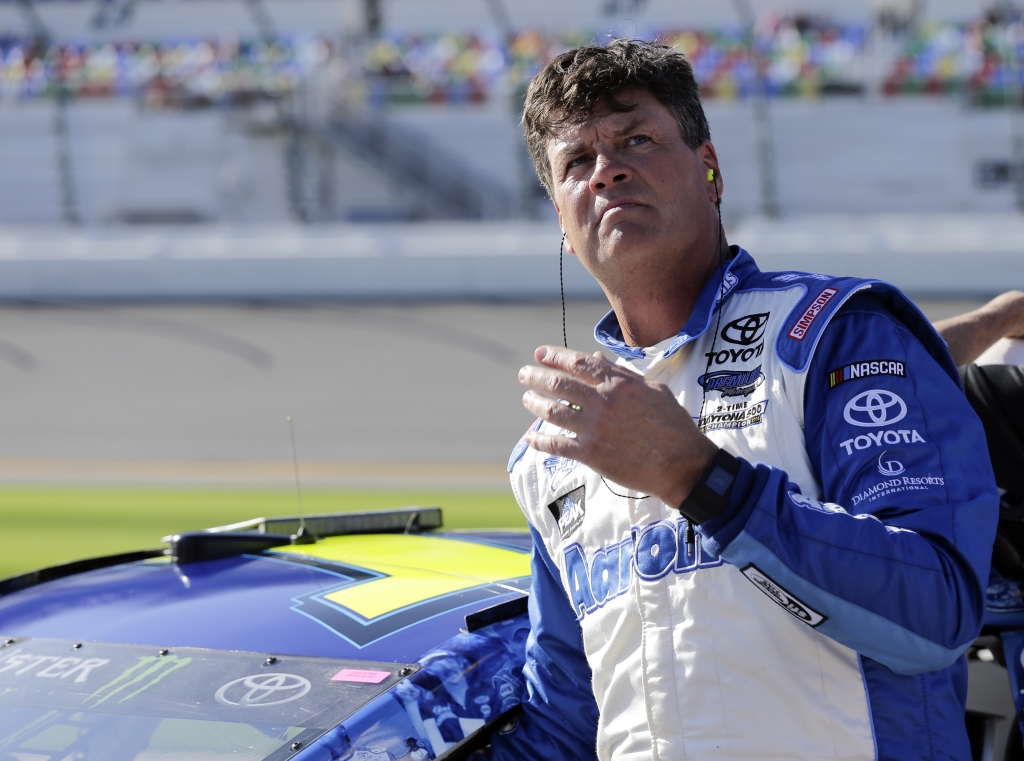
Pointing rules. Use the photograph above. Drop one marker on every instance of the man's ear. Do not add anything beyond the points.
(566, 242)
(708, 158)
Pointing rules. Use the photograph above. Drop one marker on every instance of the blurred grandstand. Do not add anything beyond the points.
(262, 112)
(260, 151)
(805, 55)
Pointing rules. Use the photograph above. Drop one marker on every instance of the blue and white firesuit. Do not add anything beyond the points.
(824, 614)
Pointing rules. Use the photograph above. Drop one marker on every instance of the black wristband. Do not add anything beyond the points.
(710, 495)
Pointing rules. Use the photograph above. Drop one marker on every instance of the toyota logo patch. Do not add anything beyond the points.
(875, 408)
(747, 330)
(263, 690)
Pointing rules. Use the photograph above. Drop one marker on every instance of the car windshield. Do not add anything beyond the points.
(63, 701)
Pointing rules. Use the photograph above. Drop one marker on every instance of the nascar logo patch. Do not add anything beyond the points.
(867, 369)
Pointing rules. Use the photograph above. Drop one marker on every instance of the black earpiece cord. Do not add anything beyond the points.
(561, 287)
(565, 342)
(688, 537)
(718, 323)
(721, 267)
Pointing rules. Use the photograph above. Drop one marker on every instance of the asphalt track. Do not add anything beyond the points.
(415, 394)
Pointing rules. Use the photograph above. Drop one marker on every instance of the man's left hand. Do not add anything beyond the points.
(629, 430)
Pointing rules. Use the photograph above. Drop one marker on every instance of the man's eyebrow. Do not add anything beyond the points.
(571, 149)
(629, 126)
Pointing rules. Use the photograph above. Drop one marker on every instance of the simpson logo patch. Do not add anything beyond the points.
(569, 510)
(782, 598)
(867, 369)
(799, 331)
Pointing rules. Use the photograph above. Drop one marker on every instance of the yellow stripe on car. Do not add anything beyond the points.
(417, 568)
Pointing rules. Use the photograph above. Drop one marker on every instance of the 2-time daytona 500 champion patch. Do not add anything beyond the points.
(868, 369)
(738, 415)
(569, 509)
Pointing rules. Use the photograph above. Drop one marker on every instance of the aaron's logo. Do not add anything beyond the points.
(136, 679)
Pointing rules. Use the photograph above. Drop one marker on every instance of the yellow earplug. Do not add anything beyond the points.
(711, 175)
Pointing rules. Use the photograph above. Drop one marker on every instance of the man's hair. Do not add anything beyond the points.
(573, 85)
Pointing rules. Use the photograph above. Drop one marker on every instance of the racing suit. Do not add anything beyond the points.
(825, 611)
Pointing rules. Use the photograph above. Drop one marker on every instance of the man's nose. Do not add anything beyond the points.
(609, 171)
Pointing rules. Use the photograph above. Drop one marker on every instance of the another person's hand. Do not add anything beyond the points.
(970, 334)
(629, 430)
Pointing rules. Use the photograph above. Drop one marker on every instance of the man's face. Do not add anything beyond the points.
(631, 195)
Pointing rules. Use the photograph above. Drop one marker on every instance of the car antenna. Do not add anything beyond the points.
(301, 537)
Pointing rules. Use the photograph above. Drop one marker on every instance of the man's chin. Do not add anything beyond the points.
(625, 241)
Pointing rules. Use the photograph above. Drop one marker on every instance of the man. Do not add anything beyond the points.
(995, 389)
(765, 532)
(971, 334)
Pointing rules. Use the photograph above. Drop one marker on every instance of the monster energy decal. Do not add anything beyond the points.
(150, 670)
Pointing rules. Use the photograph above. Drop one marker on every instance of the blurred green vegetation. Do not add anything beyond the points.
(43, 526)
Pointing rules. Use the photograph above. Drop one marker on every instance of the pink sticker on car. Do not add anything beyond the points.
(360, 675)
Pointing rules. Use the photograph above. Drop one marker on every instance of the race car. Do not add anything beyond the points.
(374, 636)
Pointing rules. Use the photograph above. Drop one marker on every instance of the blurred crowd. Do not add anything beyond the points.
(786, 56)
(981, 60)
(797, 56)
(200, 71)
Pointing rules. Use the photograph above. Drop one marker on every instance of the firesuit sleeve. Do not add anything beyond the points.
(893, 560)
(559, 719)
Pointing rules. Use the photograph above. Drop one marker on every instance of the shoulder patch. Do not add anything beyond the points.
(806, 320)
(867, 369)
(522, 446)
(802, 327)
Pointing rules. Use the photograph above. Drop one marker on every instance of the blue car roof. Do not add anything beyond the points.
(381, 597)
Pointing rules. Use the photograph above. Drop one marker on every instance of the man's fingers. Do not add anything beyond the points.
(554, 412)
(559, 446)
(593, 368)
(556, 384)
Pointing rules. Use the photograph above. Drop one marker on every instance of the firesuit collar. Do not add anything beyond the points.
(608, 332)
